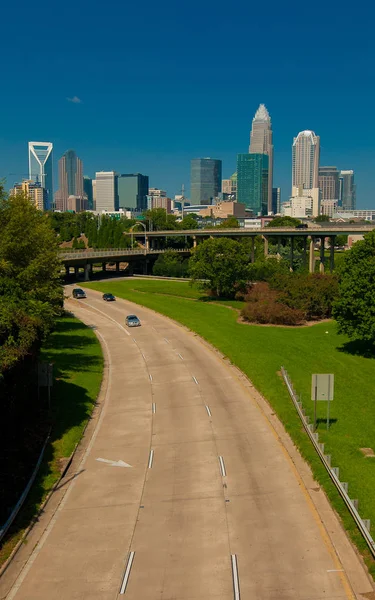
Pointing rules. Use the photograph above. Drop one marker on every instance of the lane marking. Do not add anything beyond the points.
(150, 376)
(113, 463)
(222, 467)
(108, 317)
(195, 379)
(236, 583)
(182, 358)
(335, 570)
(151, 459)
(208, 411)
(127, 572)
(144, 358)
(165, 339)
(134, 340)
(153, 407)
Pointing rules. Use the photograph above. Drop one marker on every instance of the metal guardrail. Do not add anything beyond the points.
(342, 487)
(115, 252)
(22, 498)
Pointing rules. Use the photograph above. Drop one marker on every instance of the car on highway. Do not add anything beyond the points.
(78, 293)
(109, 297)
(132, 321)
(302, 226)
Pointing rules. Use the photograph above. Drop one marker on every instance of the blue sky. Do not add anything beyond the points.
(161, 83)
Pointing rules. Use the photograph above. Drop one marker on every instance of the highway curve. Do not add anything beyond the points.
(211, 507)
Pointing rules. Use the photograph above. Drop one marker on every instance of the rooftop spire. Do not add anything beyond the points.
(262, 114)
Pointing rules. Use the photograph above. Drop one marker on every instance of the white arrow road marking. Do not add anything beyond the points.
(113, 463)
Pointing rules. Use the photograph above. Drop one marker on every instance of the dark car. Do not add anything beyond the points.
(109, 297)
(78, 293)
(132, 321)
(302, 226)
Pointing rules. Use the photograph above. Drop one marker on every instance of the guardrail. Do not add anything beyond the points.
(22, 498)
(342, 487)
(115, 252)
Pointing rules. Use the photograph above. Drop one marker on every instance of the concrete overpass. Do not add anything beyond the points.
(153, 240)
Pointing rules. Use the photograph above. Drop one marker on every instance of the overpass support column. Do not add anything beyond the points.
(252, 249)
(291, 252)
(117, 266)
(67, 271)
(104, 267)
(194, 241)
(145, 267)
(86, 276)
(278, 244)
(332, 252)
(76, 271)
(265, 245)
(147, 244)
(321, 266)
(304, 251)
(311, 255)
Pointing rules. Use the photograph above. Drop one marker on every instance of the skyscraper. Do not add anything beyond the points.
(329, 183)
(347, 194)
(70, 179)
(205, 180)
(252, 182)
(133, 191)
(106, 191)
(276, 200)
(41, 167)
(305, 170)
(261, 143)
(88, 191)
(36, 193)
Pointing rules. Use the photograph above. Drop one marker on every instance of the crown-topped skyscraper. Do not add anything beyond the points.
(261, 143)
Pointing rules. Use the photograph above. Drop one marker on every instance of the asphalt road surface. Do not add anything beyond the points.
(212, 507)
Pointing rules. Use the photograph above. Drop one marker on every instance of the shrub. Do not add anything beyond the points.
(264, 306)
(312, 293)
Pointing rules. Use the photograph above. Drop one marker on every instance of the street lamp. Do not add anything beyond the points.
(131, 231)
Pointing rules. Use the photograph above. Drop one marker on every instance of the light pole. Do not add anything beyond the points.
(131, 231)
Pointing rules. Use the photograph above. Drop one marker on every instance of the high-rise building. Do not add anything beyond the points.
(133, 191)
(261, 143)
(88, 192)
(347, 193)
(70, 179)
(329, 183)
(252, 182)
(229, 187)
(276, 200)
(41, 167)
(106, 191)
(205, 180)
(305, 170)
(94, 194)
(36, 193)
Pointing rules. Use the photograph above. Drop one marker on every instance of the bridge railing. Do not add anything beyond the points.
(115, 252)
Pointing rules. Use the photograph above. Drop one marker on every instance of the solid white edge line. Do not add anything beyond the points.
(236, 583)
(153, 407)
(195, 379)
(208, 411)
(127, 572)
(150, 376)
(151, 459)
(222, 466)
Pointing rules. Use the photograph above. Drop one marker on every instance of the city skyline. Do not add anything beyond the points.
(261, 143)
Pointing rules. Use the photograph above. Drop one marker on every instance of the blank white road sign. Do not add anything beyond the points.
(322, 387)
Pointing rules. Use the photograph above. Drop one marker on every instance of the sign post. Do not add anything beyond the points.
(322, 389)
(45, 378)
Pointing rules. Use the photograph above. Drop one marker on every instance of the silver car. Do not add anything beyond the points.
(132, 321)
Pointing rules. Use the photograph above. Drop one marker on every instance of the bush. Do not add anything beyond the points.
(311, 293)
(264, 306)
(171, 264)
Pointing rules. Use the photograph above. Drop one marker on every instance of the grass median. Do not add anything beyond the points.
(259, 351)
(76, 353)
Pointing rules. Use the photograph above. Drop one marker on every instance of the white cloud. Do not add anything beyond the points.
(75, 100)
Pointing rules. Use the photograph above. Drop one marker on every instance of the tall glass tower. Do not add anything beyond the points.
(252, 182)
(205, 180)
(305, 170)
(70, 179)
(41, 168)
(347, 191)
(261, 143)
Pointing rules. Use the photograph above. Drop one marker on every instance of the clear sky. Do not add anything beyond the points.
(155, 84)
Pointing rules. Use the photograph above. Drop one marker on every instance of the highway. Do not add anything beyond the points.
(210, 502)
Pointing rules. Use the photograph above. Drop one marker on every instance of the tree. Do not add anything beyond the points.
(229, 223)
(354, 309)
(284, 222)
(322, 219)
(159, 220)
(223, 263)
(341, 240)
(171, 264)
(189, 222)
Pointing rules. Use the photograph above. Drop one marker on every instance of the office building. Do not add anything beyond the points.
(347, 193)
(106, 191)
(328, 207)
(223, 210)
(158, 199)
(205, 180)
(88, 192)
(133, 191)
(41, 167)
(306, 150)
(329, 183)
(261, 143)
(77, 203)
(70, 179)
(276, 200)
(37, 194)
(299, 207)
(229, 188)
(252, 182)
(94, 194)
